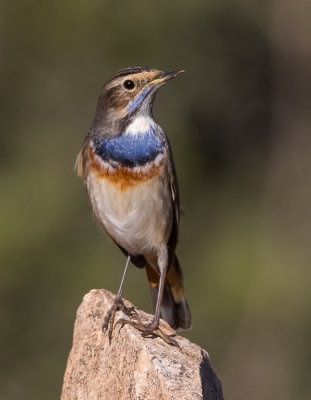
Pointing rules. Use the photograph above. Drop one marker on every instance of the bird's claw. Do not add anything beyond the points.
(110, 316)
(150, 330)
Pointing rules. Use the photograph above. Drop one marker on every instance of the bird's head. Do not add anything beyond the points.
(130, 92)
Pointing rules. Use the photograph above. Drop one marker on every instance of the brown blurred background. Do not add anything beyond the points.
(239, 124)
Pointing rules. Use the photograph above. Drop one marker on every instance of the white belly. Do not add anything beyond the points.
(139, 218)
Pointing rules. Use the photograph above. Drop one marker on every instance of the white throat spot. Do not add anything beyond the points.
(140, 125)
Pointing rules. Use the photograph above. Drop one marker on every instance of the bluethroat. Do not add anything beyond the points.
(127, 165)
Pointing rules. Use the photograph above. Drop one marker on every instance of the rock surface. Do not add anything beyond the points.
(132, 367)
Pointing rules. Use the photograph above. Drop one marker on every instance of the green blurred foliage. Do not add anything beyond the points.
(244, 235)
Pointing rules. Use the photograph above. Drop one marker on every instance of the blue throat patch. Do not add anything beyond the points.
(129, 150)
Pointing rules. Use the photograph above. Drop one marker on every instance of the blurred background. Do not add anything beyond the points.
(239, 125)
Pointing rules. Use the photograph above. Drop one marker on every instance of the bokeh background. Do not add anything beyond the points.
(239, 125)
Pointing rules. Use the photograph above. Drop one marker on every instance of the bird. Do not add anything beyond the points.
(127, 166)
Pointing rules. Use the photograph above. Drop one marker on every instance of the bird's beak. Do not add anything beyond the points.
(165, 76)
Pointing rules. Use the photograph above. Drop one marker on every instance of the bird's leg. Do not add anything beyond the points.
(153, 329)
(118, 305)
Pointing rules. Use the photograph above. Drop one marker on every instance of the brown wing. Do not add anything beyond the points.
(174, 307)
(172, 242)
(82, 161)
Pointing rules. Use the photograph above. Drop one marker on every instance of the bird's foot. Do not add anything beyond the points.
(150, 330)
(110, 316)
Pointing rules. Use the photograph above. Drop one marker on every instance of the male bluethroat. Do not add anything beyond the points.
(127, 166)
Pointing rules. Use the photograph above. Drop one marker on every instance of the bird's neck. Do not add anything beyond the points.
(106, 125)
(136, 146)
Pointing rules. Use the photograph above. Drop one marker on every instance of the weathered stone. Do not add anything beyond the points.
(133, 367)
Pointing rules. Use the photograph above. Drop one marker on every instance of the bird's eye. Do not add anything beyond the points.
(128, 84)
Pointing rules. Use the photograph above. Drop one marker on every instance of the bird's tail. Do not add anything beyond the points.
(174, 308)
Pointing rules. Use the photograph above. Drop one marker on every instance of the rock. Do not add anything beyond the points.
(132, 367)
